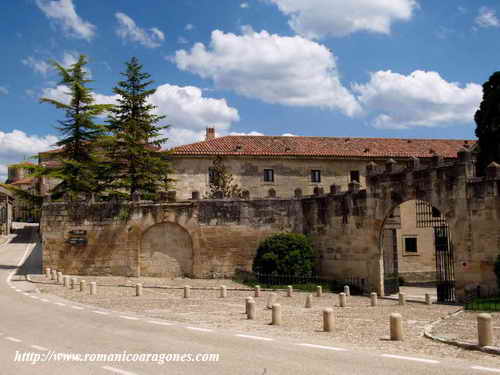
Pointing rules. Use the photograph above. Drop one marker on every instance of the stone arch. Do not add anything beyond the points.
(166, 251)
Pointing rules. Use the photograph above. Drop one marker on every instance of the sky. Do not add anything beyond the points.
(357, 68)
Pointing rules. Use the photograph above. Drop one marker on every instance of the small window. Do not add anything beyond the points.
(315, 175)
(354, 176)
(211, 175)
(410, 244)
(268, 175)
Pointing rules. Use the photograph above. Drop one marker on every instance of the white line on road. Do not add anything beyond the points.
(200, 329)
(34, 297)
(13, 339)
(255, 337)
(323, 347)
(409, 358)
(160, 323)
(41, 348)
(118, 371)
(480, 368)
(26, 294)
(60, 304)
(44, 300)
(77, 307)
(101, 312)
(18, 290)
(129, 317)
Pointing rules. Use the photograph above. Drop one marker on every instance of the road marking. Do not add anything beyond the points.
(59, 304)
(256, 337)
(480, 368)
(118, 371)
(160, 323)
(200, 329)
(129, 317)
(77, 307)
(409, 358)
(323, 347)
(13, 339)
(101, 312)
(18, 290)
(26, 294)
(34, 297)
(44, 300)
(41, 348)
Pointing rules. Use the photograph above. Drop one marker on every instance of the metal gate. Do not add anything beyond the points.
(390, 251)
(444, 265)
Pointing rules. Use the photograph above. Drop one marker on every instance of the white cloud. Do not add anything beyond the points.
(38, 66)
(487, 18)
(189, 27)
(44, 67)
(128, 30)
(244, 5)
(320, 18)
(63, 12)
(290, 71)
(289, 135)
(252, 133)
(17, 145)
(421, 99)
(182, 40)
(3, 90)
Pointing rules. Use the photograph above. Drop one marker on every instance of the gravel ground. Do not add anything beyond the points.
(357, 326)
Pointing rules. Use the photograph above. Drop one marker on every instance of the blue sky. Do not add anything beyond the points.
(365, 68)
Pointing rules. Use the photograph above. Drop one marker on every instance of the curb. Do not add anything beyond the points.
(460, 344)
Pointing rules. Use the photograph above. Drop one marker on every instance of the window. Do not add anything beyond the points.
(410, 244)
(315, 175)
(211, 175)
(268, 175)
(354, 176)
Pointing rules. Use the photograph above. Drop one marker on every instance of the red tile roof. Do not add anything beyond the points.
(324, 147)
(24, 181)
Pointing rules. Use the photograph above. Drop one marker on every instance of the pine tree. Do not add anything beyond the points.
(222, 181)
(138, 164)
(78, 162)
(488, 124)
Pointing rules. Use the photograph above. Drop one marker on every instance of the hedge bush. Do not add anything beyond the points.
(285, 254)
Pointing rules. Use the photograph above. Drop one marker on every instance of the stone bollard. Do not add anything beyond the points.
(289, 291)
(251, 310)
(396, 327)
(428, 300)
(74, 281)
(373, 299)
(93, 288)
(54, 275)
(187, 291)
(257, 290)
(276, 319)
(319, 291)
(328, 320)
(48, 273)
(309, 301)
(342, 300)
(59, 277)
(484, 330)
(271, 300)
(82, 285)
(247, 304)
(138, 290)
(402, 299)
(223, 291)
(347, 291)
(66, 281)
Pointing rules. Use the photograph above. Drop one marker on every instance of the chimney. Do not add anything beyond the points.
(210, 134)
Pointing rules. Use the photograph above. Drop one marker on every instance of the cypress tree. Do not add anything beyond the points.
(138, 164)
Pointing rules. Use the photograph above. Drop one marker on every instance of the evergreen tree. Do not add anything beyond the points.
(222, 181)
(488, 124)
(78, 163)
(138, 164)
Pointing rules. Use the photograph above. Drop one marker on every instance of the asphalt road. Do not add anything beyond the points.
(47, 325)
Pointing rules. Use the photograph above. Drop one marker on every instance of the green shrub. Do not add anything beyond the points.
(285, 254)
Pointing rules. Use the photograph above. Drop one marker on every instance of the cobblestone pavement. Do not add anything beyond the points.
(357, 325)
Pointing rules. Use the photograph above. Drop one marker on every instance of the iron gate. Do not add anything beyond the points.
(391, 273)
(444, 264)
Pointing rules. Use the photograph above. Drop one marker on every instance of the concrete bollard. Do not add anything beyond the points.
(484, 330)
(66, 281)
(187, 291)
(396, 327)
(373, 299)
(309, 300)
(276, 318)
(428, 300)
(347, 291)
(138, 290)
(223, 291)
(271, 300)
(59, 277)
(74, 281)
(93, 288)
(257, 290)
(251, 310)
(402, 299)
(328, 320)
(319, 291)
(54, 275)
(342, 300)
(247, 304)
(82, 285)
(289, 291)
(48, 273)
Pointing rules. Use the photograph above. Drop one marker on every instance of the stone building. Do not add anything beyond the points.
(22, 179)
(6, 211)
